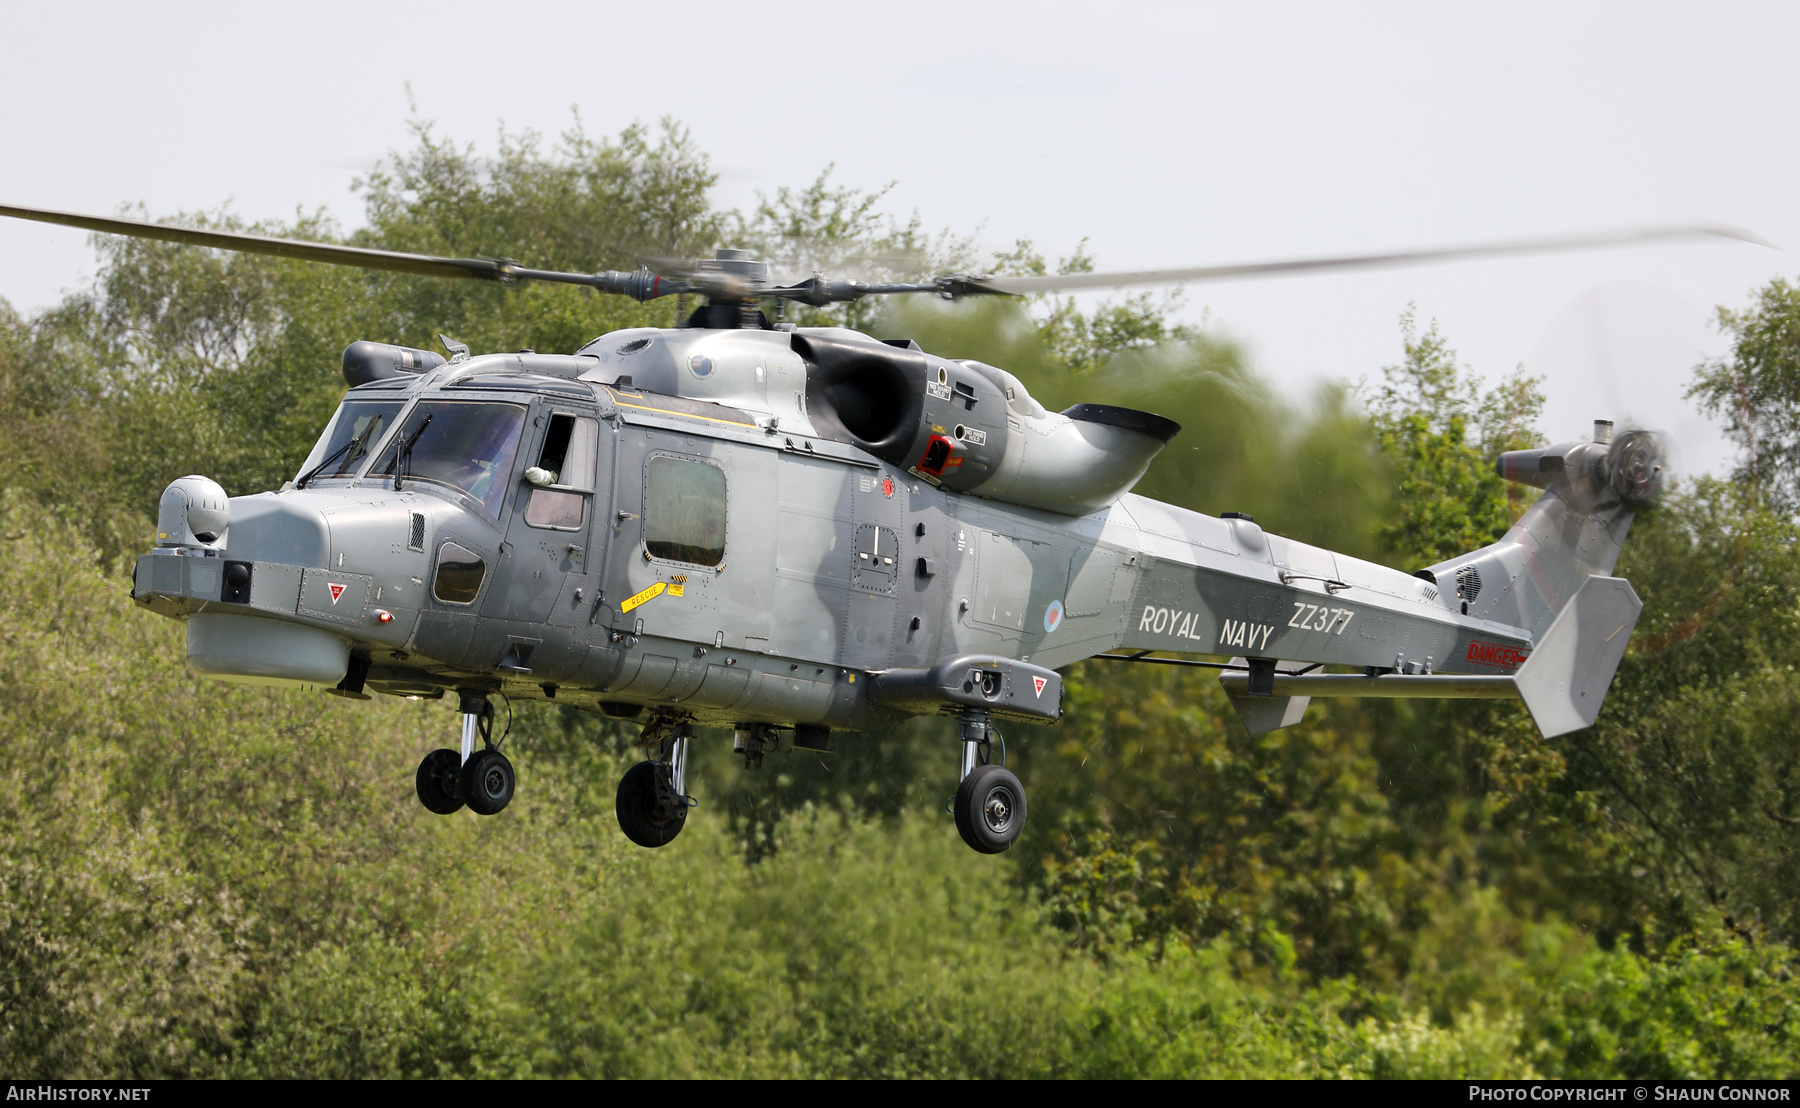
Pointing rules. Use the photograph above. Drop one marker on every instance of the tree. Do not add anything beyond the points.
(1756, 390)
(1443, 433)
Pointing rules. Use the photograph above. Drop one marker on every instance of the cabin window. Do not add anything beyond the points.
(571, 447)
(684, 510)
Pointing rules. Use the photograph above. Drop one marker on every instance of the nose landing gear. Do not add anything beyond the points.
(653, 801)
(990, 802)
(482, 779)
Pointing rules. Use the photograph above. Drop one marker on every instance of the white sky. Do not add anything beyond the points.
(1167, 134)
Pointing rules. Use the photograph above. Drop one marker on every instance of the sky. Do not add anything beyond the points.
(1164, 134)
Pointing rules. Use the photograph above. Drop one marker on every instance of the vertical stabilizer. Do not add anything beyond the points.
(1565, 680)
(1572, 533)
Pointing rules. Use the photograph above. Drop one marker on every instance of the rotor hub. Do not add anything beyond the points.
(1635, 461)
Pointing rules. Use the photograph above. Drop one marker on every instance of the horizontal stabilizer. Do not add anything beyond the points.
(1390, 686)
(1564, 682)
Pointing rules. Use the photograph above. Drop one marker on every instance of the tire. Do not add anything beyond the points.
(990, 809)
(439, 782)
(640, 816)
(487, 782)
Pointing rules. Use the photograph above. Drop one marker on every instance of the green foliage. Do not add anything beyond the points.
(1442, 435)
(1756, 389)
(205, 879)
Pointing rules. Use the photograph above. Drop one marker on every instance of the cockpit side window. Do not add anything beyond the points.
(571, 447)
(469, 445)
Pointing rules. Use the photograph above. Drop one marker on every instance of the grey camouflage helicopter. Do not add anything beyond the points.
(805, 529)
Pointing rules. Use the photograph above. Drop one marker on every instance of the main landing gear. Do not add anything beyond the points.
(653, 802)
(482, 779)
(990, 802)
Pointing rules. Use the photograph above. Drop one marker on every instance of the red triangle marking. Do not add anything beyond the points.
(1039, 683)
(337, 590)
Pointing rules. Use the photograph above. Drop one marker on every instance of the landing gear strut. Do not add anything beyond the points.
(653, 801)
(990, 802)
(483, 779)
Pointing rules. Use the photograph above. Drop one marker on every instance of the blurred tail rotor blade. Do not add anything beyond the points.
(1029, 286)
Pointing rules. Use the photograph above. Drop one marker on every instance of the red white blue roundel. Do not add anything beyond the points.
(1053, 616)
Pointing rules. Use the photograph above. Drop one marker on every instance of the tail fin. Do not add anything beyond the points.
(1575, 531)
(1564, 682)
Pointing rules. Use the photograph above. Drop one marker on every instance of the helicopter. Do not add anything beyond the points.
(776, 528)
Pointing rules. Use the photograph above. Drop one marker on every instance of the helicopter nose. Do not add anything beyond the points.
(284, 528)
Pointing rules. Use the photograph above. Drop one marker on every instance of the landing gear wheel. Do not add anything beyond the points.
(439, 782)
(487, 782)
(645, 816)
(990, 809)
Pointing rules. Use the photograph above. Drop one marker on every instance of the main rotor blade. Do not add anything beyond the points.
(389, 260)
(640, 285)
(1028, 286)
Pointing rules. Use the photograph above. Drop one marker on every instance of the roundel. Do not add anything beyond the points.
(1053, 616)
(701, 365)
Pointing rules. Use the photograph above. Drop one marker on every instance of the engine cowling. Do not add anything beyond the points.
(973, 428)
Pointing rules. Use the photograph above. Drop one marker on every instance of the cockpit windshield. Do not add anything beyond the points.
(354, 432)
(464, 444)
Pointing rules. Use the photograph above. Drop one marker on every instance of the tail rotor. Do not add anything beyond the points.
(1635, 464)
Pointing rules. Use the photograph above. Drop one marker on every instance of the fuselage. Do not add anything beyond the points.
(550, 526)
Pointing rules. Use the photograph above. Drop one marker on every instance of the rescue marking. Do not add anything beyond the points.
(647, 595)
(1319, 617)
(1497, 654)
(337, 590)
(1053, 616)
(887, 487)
(1038, 683)
(678, 586)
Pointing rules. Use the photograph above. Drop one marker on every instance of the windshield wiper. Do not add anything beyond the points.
(358, 443)
(403, 457)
